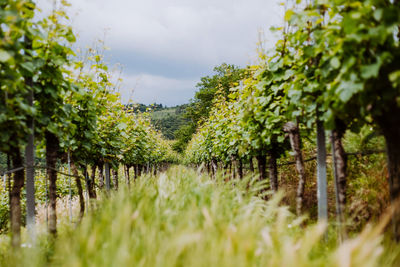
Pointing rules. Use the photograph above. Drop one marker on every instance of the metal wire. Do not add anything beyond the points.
(39, 167)
(360, 153)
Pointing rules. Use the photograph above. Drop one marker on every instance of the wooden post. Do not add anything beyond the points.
(240, 168)
(295, 142)
(80, 190)
(115, 178)
(30, 171)
(321, 173)
(107, 171)
(127, 177)
(214, 168)
(273, 172)
(251, 165)
(136, 169)
(339, 211)
(261, 164)
(100, 167)
(85, 172)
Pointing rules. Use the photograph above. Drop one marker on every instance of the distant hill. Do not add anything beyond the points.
(165, 119)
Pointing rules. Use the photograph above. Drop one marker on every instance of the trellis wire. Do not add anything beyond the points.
(360, 153)
(39, 167)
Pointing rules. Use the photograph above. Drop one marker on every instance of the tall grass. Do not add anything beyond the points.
(182, 218)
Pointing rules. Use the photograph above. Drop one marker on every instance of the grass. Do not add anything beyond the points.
(182, 218)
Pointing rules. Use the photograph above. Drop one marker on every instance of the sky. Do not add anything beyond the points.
(166, 46)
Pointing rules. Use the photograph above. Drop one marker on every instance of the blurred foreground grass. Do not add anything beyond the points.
(181, 218)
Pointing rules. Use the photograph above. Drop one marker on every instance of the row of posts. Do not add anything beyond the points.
(30, 186)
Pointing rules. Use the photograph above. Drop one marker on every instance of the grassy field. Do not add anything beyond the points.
(183, 218)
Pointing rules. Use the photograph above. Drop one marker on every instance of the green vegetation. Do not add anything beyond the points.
(181, 218)
(226, 76)
(163, 113)
(170, 120)
(313, 78)
(72, 102)
(334, 71)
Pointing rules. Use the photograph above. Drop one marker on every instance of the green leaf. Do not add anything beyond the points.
(38, 63)
(289, 73)
(28, 66)
(289, 14)
(356, 15)
(349, 24)
(394, 76)
(4, 56)
(347, 89)
(335, 62)
(70, 36)
(378, 14)
(370, 71)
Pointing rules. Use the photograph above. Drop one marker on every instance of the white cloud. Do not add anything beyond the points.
(191, 32)
(202, 31)
(147, 88)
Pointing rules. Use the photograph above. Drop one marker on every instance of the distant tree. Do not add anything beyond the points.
(169, 124)
(226, 76)
(183, 135)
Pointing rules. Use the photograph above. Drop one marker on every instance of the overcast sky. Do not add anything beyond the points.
(166, 46)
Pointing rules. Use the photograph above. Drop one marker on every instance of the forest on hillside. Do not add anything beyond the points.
(168, 120)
